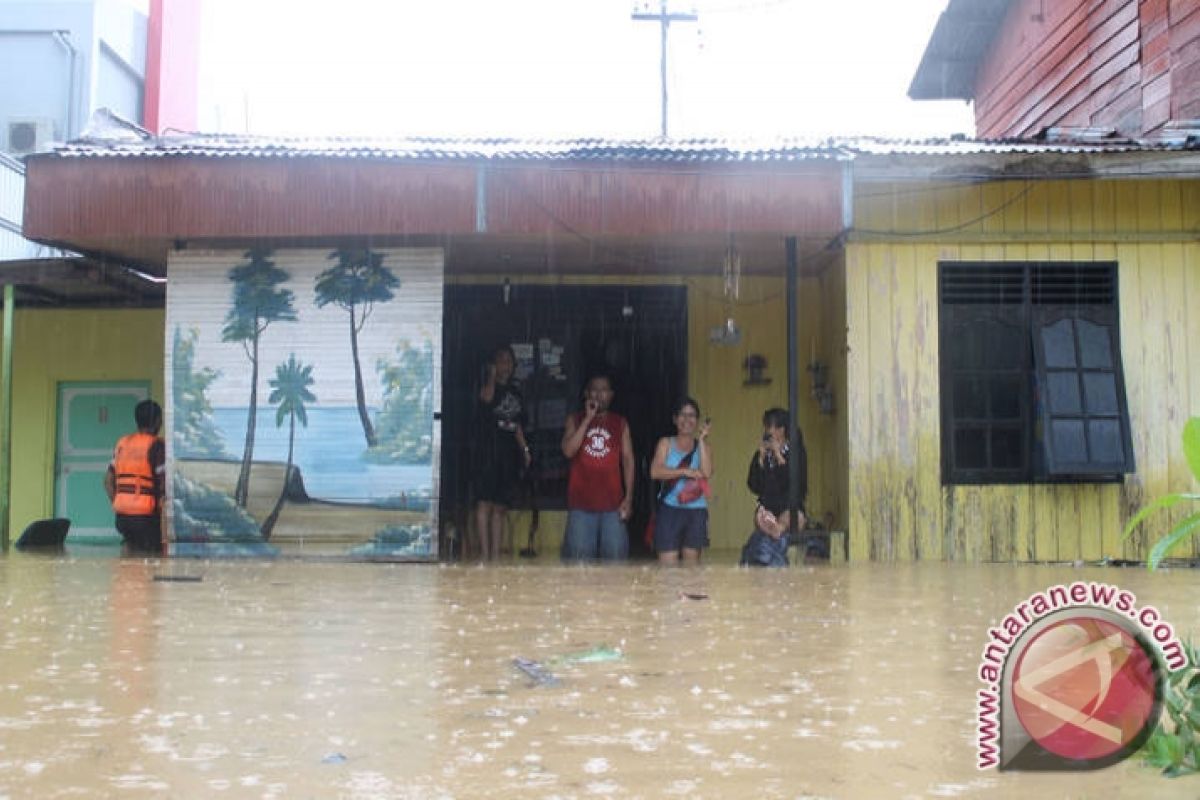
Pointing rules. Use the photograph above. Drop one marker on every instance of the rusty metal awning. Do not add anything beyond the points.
(74, 281)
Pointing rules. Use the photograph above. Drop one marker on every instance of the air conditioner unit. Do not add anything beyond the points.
(29, 135)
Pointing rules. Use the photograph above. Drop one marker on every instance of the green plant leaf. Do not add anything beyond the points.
(1177, 534)
(1166, 753)
(1173, 751)
(1155, 752)
(1166, 501)
(1191, 445)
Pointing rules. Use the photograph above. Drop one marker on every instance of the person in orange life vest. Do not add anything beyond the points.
(134, 481)
(600, 483)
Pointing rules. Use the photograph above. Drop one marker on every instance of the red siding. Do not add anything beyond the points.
(652, 201)
(1185, 59)
(137, 207)
(1069, 63)
(182, 198)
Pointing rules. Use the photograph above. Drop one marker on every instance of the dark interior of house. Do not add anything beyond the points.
(561, 335)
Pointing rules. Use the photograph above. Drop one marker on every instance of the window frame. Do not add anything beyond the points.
(966, 298)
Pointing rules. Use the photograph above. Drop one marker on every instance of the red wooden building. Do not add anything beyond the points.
(1129, 67)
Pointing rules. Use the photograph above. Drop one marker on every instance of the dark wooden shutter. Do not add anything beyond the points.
(985, 369)
(1081, 391)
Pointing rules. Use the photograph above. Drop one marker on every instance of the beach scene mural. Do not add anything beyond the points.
(301, 391)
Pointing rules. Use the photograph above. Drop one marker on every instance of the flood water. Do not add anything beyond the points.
(318, 679)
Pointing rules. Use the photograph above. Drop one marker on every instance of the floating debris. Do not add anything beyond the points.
(334, 758)
(537, 672)
(692, 596)
(597, 655)
(179, 578)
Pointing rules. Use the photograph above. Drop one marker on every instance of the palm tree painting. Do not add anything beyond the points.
(257, 302)
(356, 283)
(270, 421)
(289, 393)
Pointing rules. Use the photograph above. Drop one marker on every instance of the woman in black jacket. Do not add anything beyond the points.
(768, 479)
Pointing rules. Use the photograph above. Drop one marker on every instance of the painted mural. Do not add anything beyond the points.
(301, 391)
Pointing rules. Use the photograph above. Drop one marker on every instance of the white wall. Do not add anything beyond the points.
(12, 199)
(98, 57)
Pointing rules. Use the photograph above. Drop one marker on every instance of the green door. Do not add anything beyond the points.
(91, 417)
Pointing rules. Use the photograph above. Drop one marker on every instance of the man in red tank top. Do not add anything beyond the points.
(600, 485)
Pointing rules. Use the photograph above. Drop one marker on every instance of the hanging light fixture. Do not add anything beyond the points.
(731, 274)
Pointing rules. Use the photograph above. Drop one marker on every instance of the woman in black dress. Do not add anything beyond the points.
(501, 450)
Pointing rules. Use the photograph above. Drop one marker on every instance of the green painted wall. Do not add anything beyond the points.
(76, 345)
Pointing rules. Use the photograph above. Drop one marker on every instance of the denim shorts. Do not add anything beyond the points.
(677, 528)
(592, 535)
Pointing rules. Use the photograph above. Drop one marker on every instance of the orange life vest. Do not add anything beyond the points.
(136, 495)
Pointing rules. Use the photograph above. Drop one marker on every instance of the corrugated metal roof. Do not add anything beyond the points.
(1061, 142)
(610, 150)
(438, 149)
(110, 136)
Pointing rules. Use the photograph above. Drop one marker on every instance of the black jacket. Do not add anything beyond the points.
(770, 481)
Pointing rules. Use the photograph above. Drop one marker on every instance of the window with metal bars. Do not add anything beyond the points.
(1031, 377)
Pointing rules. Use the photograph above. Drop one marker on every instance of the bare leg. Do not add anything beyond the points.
(668, 557)
(483, 515)
(497, 531)
(691, 557)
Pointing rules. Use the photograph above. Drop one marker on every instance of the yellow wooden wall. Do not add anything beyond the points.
(899, 509)
(52, 346)
(69, 345)
(715, 378)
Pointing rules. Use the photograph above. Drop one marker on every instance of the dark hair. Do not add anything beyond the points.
(504, 348)
(775, 418)
(778, 418)
(595, 376)
(147, 414)
(683, 403)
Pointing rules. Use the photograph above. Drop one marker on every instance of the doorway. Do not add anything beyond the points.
(91, 418)
(561, 335)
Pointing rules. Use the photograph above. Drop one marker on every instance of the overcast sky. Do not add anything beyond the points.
(559, 68)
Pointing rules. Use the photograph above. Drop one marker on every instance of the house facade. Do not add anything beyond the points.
(1031, 68)
(991, 339)
(954, 294)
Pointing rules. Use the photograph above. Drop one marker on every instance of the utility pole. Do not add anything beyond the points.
(664, 20)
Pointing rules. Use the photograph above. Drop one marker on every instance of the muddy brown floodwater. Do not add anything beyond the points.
(311, 679)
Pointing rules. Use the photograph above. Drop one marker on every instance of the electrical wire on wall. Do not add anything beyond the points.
(952, 228)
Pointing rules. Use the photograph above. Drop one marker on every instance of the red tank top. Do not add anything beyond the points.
(595, 480)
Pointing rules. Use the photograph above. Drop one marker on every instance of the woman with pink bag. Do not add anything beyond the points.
(684, 464)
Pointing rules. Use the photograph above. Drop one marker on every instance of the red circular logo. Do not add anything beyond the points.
(1084, 688)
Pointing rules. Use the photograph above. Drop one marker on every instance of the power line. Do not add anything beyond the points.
(744, 7)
